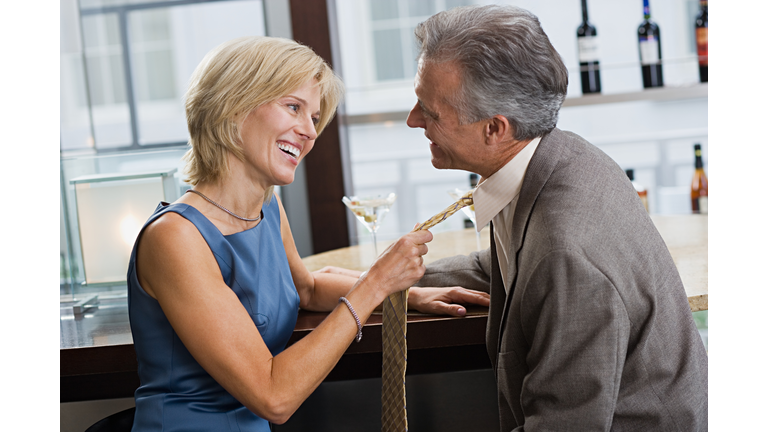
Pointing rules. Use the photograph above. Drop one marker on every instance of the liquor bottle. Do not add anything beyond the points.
(589, 64)
(641, 191)
(649, 41)
(699, 185)
(702, 38)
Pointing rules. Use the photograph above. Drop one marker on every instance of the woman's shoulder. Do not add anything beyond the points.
(165, 248)
(169, 227)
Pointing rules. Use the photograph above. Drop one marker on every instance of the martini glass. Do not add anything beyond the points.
(468, 210)
(370, 211)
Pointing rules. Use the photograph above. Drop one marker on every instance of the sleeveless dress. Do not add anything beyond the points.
(176, 393)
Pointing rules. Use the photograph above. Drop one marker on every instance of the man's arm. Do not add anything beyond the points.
(469, 271)
(577, 328)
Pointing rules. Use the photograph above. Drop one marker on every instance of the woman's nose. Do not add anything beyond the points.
(307, 128)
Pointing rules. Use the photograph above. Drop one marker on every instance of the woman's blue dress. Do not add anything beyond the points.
(176, 393)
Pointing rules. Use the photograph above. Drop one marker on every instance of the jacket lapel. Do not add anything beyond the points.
(540, 168)
(496, 310)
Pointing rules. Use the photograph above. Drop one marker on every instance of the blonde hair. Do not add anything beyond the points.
(237, 77)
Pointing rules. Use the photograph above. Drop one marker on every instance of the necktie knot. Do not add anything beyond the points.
(466, 200)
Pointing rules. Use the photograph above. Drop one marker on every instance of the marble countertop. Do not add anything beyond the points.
(685, 236)
(687, 239)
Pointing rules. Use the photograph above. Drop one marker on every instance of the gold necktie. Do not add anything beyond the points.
(394, 416)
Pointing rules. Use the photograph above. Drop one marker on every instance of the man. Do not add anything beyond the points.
(589, 326)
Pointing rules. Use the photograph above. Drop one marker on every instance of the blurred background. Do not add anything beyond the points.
(125, 67)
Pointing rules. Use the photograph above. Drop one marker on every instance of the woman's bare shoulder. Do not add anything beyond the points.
(170, 246)
(169, 227)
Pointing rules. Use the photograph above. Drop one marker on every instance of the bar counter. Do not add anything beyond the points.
(98, 361)
(685, 236)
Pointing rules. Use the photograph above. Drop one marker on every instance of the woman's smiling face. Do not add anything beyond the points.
(278, 135)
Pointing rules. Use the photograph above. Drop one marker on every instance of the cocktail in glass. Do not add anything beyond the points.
(370, 211)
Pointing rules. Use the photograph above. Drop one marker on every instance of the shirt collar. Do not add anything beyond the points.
(503, 186)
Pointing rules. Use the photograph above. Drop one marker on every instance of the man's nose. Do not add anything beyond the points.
(416, 117)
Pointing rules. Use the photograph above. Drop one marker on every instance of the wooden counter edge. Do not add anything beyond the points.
(699, 302)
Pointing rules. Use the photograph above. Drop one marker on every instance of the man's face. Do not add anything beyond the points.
(453, 145)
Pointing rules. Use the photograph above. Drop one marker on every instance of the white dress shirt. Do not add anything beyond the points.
(496, 198)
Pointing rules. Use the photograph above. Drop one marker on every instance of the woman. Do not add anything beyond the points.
(215, 281)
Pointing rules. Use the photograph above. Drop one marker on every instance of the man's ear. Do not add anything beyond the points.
(497, 130)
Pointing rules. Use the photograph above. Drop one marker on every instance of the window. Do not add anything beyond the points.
(392, 25)
(104, 59)
(152, 47)
(106, 80)
(125, 70)
(378, 51)
(125, 66)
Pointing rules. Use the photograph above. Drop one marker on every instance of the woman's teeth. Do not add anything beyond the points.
(293, 151)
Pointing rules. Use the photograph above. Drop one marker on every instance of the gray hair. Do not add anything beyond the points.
(508, 66)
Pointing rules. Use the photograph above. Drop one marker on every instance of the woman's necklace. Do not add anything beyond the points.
(223, 208)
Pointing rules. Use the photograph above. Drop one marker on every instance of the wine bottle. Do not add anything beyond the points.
(589, 63)
(649, 42)
(642, 192)
(702, 39)
(700, 185)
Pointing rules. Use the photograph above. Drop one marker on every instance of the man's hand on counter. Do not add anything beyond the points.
(430, 300)
(446, 301)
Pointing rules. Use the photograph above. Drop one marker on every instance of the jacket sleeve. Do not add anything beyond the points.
(577, 328)
(469, 271)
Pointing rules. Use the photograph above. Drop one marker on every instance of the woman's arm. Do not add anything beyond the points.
(176, 267)
(433, 300)
(320, 290)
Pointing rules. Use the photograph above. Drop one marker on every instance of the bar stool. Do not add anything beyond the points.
(118, 422)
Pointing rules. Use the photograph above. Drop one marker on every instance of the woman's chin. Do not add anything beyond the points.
(284, 180)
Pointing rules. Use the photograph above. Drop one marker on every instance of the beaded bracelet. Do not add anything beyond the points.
(357, 320)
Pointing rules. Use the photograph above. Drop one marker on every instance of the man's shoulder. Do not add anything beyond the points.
(567, 145)
(585, 201)
(565, 135)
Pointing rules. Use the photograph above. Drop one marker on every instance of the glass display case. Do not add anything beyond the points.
(111, 209)
(105, 200)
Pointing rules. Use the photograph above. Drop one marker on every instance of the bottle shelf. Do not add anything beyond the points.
(695, 91)
(668, 93)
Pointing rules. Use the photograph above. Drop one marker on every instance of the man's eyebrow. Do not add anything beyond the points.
(426, 110)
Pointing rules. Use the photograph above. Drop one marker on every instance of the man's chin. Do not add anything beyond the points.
(439, 160)
(443, 164)
(439, 163)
